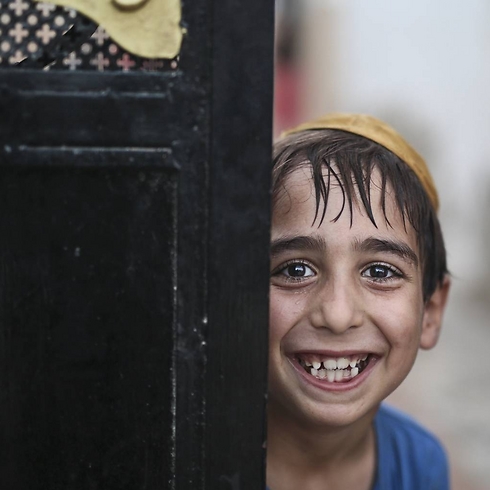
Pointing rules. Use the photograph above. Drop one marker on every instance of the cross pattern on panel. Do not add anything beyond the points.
(28, 29)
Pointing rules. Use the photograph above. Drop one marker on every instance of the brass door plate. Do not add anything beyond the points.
(146, 28)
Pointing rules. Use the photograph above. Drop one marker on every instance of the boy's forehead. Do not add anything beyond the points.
(298, 194)
(295, 210)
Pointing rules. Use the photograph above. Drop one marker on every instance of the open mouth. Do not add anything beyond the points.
(334, 369)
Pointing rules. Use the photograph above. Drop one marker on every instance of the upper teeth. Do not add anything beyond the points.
(332, 364)
(339, 363)
(333, 369)
(342, 363)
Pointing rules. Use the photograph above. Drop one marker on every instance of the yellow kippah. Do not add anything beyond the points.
(380, 133)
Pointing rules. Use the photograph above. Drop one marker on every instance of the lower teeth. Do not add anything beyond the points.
(336, 375)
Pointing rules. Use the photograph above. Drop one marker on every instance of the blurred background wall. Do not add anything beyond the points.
(424, 67)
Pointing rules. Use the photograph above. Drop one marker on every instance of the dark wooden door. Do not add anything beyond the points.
(134, 229)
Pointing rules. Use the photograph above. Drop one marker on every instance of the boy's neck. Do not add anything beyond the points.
(320, 457)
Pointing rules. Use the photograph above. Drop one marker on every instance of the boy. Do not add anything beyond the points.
(358, 284)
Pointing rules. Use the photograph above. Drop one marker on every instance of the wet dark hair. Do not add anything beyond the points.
(348, 160)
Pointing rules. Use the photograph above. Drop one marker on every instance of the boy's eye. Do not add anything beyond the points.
(297, 270)
(380, 271)
(294, 271)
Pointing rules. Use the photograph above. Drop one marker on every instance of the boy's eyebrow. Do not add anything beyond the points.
(318, 244)
(315, 243)
(391, 246)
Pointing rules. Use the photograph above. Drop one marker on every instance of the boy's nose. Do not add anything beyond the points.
(337, 307)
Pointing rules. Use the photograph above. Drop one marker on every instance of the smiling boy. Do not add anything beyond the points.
(358, 284)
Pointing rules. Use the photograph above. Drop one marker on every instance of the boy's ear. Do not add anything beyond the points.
(434, 310)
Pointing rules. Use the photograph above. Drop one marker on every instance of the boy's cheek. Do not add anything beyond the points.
(283, 314)
(277, 320)
(288, 302)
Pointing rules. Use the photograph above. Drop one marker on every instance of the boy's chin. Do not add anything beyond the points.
(321, 416)
(320, 405)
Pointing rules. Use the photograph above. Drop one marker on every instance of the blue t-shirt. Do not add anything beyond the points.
(408, 456)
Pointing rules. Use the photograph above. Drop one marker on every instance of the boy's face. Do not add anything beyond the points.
(344, 297)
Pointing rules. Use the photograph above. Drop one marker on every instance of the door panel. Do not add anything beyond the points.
(134, 259)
